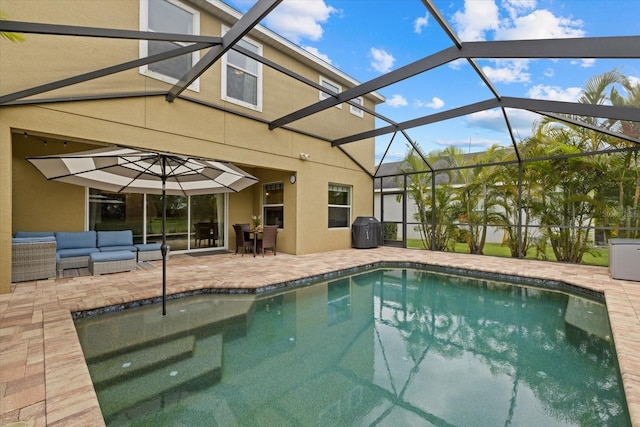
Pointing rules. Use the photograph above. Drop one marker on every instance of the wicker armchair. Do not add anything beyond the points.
(33, 259)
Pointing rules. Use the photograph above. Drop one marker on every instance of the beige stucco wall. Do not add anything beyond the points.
(271, 156)
(28, 202)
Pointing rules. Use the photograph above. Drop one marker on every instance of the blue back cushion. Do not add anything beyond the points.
(76, 239)
(23, 234)
(33, 239)
(115, 238)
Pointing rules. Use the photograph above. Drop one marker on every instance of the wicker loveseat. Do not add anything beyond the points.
(33, 258)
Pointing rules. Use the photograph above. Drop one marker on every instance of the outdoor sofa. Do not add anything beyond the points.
(73, 249)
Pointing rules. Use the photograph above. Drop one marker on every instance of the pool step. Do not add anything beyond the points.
(117, 368)
(130, 330)
(151, 385)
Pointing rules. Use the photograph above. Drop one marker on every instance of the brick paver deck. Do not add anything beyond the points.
(44, 379)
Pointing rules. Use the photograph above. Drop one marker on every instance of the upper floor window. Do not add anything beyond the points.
(273, 204)
(339, 206)
(355, 110)
(168, 16)
(242, 76)
(331, 86)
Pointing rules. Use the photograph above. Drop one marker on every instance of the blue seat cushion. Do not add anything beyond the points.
(76, 239)
(115, 238)
(118, 248)
(26, 234)
(67, 253)
(148, 247)
(111, 256)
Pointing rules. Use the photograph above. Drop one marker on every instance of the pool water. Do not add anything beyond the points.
(385, 347)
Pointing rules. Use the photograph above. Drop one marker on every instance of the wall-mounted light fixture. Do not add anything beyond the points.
(304, 156)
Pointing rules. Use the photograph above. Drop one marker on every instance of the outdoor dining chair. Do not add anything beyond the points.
(268, 239)
(203, 232)
(242, 238)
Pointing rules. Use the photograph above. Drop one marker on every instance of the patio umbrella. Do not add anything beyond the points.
(128, 170)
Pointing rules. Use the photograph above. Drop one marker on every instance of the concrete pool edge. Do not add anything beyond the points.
(552, 285)
(49, 304)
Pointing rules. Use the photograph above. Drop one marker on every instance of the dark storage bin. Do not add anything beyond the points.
(366, 232)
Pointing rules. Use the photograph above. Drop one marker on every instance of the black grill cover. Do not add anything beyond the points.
(366, 232)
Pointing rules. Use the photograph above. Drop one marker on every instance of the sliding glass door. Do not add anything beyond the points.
(195, 222)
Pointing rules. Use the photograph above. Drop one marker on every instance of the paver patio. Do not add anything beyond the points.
(44, 379)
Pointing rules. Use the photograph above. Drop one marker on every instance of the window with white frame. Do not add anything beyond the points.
(355, 110)
(331, 86)
(168, 16)
(242, 76)
(339, 206)
(273, 204)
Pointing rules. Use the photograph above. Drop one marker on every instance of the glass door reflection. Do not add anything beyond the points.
(177, 227)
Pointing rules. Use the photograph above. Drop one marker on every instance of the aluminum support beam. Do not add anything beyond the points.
(592, 47)
(70, 30)
(425, 120)
(392, 77)
(534, 105)
(591, 127)
(306, 81)
(102, 72)
(573, 108)
(596, 47)
(239, 30)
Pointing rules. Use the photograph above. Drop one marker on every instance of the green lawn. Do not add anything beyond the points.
(598, 256)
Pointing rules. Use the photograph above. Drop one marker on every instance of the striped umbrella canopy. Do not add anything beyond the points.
(129, 170)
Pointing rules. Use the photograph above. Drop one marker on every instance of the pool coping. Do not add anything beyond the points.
(554, 285)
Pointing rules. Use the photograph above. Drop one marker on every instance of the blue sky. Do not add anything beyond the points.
(365, 38)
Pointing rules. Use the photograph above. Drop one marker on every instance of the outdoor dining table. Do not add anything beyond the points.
(256, 232)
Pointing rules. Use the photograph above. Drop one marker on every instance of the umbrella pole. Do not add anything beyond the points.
(164, 247)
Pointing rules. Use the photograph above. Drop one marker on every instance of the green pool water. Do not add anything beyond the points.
(390, 347)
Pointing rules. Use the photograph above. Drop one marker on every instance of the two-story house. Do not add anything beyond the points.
(51, 104)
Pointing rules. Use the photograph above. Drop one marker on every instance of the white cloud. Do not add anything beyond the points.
(420, 23)
(539, 24)
(488, 119)
(396, 101)
(457, 64)
(315, 52)
(476, 19)
(516, 20)
(635, 81)
(555, 93)
(508, 71)
(521, 121)
(297, 20)
(468, 145)
(517, 7)
(435, 103)
(382, 61)
(549, 72)
(391, 156)
(519, 20)
(587, 62)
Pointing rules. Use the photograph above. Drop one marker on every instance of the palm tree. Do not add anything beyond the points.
(475, 191)
(440, 236)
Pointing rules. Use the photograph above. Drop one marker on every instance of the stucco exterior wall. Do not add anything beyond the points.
(200, 124)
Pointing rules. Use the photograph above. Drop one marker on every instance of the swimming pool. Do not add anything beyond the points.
(387, 346)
